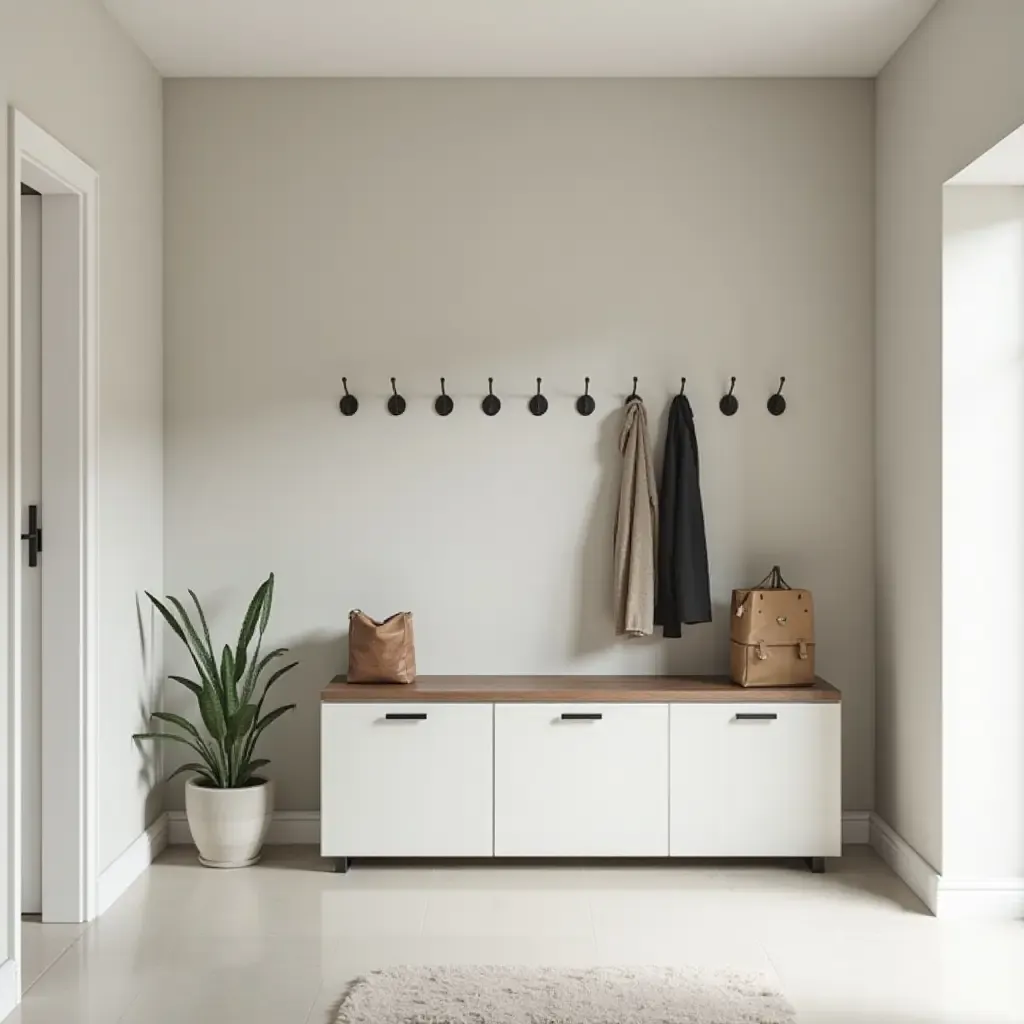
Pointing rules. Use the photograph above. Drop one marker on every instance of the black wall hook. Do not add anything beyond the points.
(396, 403)
(682, 386)
(729, 403)
(492, 403)
(443, 404)
(538, 404)
(585, 404)
(777, 404)
(349, 403)
(629, 398)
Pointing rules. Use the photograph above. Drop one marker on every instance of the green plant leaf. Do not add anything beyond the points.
(171, 737)
(251, 745)
(227, 663)
(188, 684)
(277, 675)
(213, 714)
(241, 721)
(244, 639)
(227, 675)
(260, 725)
(256, 669)
(193, 766)
(265, 614)
(239, 731)
(186, 726)
(223, 768)
(250, 768)
(271, 716)
(170, 619)
(240, 663)
(179, 721)
(270, 682)
(217, 771)
(206, 656)
(252, 616)
(202, 622)
(202, 667)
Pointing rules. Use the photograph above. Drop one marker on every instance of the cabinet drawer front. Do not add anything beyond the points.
(581, 780)
(756, 780)
(407, 780)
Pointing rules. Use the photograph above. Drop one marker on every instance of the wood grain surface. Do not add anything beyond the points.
(602, 689)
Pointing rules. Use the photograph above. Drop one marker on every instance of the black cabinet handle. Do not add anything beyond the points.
(406, 716)
(768, 716)
(582, 716)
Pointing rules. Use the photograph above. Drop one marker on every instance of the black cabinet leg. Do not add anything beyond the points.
(816, 865)
(341, 865)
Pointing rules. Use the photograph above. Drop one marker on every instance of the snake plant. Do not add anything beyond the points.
(229, 691)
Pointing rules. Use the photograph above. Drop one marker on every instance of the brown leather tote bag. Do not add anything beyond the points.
(380, 652)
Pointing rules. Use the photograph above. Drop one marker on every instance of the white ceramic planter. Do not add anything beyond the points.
(229, 825)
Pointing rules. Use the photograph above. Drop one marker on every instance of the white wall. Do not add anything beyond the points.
(67, 66)
(983, 531)
(955, 88)
(513, 229)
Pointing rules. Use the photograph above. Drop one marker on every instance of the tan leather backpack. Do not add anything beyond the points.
(772, 628)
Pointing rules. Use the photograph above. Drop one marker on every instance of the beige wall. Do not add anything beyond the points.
(67, 66)
(513, 229)
(953, 90)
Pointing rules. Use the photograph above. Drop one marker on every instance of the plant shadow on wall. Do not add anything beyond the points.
(227, 803)
(149, 772)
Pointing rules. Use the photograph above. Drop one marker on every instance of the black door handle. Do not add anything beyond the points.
(582, 716)
(406, 716)
(768, 716)
(34, 536)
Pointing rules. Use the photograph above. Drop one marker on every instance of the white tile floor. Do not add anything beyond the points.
(276, 944)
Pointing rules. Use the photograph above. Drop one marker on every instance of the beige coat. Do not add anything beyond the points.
(636, 527)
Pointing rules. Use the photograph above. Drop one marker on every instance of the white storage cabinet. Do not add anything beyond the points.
(577, 767)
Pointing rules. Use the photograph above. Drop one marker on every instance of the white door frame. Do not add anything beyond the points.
(70, 190)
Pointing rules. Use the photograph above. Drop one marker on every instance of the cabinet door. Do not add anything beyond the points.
(406, 780)
(756, 780)
(581, 780)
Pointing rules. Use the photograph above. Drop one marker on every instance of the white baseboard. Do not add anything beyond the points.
(119, 876)
(919, 875)
(10, 995)
(946, 896)
(856, 828)
(981, 898)
(288, 828)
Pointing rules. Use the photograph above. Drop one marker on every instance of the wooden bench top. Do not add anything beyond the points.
(596, 689)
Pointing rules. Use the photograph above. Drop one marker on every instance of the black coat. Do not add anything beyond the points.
(684, 589)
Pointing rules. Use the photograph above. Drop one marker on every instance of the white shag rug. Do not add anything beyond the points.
(526, 995)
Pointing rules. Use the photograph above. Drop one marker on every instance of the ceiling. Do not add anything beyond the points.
(520, 38)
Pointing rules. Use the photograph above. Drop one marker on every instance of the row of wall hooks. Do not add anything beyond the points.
(538, 404)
